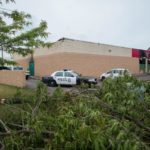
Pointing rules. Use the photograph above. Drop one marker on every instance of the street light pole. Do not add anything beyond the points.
(146, 59)
(146, 65)
(2, 57)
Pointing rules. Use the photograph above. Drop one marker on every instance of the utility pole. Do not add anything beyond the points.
(2, 57)
(146, 65)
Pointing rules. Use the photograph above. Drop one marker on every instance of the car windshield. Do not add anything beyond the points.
(4, 68)
(18, 68)
(76, 74)
(109, 72)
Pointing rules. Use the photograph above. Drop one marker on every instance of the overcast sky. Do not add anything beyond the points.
(117, 22)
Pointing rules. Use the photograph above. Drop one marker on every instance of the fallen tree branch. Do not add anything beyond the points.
(37, 106)
(76, 93)
(17, 108)
(2, 147)
(120, 115)
(4, 126)
(127, 117)
(26, 131)
(45, 134)
(15, 125)
(23, 131)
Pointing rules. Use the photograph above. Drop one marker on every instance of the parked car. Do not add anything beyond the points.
(116, 72)
(4, 68)
(67, 77)
(27, 73)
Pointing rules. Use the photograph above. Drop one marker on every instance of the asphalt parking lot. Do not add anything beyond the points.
(32, 84)
(143, 76)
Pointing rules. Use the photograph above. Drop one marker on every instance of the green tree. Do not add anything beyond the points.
(2, 1)
(17, 34)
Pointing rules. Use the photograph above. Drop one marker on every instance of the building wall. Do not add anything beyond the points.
(23, 62)
(76, 46)
(86, 64)
(14, 78)
(85, 57)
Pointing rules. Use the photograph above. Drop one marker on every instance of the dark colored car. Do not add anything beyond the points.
(27, 73)
(4, 68)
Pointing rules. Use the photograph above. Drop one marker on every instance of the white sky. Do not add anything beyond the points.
(117, 22)
(6, 55)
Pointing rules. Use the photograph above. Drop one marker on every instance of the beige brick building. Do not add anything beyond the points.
(86, 58)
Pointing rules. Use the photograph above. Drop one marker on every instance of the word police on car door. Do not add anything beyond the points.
(64, 77)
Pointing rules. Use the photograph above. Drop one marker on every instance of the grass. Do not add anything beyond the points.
(7, 91)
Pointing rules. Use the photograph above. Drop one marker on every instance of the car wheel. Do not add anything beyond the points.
(103, 78)
(27, 77)
(89, 85)
(52, 83)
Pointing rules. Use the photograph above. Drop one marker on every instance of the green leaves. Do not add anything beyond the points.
(6, 1)
(8, 62)
(117, 120)
(17, 34)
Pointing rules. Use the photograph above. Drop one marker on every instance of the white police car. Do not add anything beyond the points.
(67, 77)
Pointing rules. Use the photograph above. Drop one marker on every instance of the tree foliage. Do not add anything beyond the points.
(17, 34)
(115, 116)
(7, 1)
